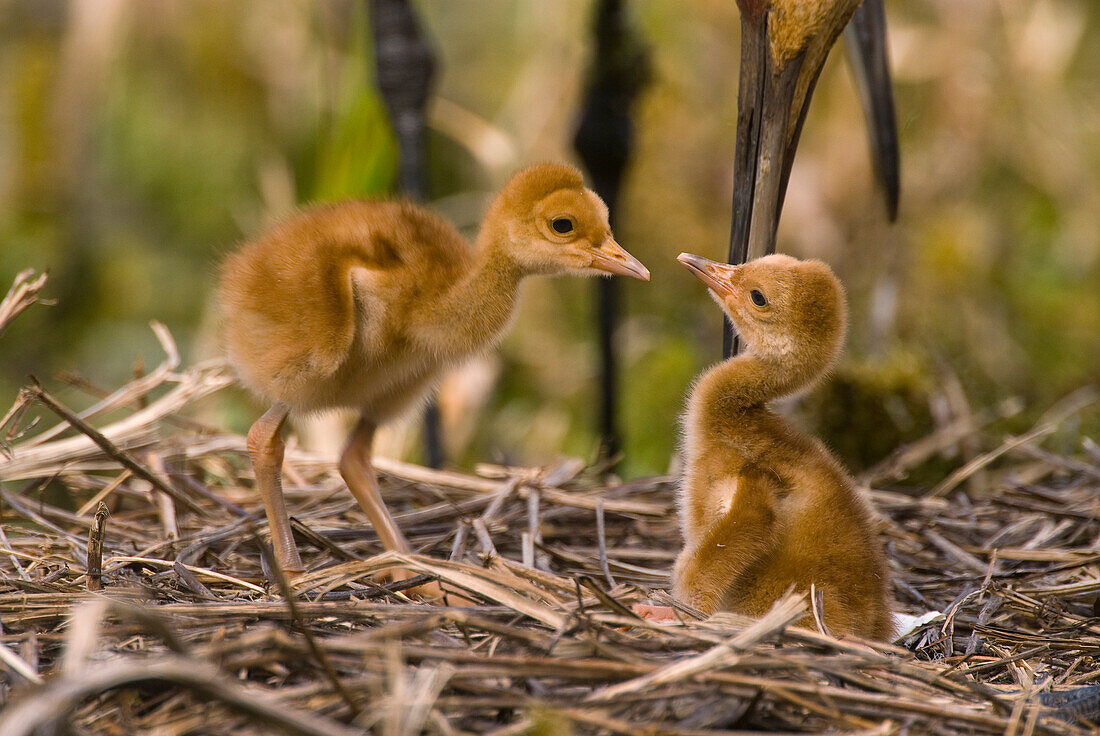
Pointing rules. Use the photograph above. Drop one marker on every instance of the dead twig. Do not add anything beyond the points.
(109, 448)
(22, 294)
(43, 709)
(318, 653)
(601, 543)
(95, 547)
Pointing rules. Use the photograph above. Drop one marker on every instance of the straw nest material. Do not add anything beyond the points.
(135, 596)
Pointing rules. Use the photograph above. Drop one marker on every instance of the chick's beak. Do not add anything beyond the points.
(717, 276)
(611, 257)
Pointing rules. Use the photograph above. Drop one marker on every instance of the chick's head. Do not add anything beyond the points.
(784, 309)
(554, 225)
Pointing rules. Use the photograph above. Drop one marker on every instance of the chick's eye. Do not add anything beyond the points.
(562, 225)
(757, 297)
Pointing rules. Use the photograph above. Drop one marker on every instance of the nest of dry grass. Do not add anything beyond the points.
(148, 605)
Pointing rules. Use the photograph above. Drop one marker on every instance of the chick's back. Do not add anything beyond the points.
(297, 300)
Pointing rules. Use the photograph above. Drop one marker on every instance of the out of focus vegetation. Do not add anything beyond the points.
(140, 141)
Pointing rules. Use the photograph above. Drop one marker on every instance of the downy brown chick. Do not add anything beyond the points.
(363, 304)
(764, 506)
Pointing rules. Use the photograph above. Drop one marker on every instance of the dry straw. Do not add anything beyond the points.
(191, 632)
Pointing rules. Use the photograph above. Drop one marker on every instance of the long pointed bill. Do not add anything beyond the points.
(865, 39)
(717, 276)
(766, 142)
(764, 149)
(611, 257)
(772, 100)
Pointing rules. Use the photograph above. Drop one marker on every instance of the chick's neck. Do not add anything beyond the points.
(475, 310)
(749, 380)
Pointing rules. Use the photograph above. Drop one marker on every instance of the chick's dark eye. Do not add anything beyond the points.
(562, 225)
(757, 297)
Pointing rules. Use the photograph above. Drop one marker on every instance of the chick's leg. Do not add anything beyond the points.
(265, 448)
(358, 473)
(707, 569)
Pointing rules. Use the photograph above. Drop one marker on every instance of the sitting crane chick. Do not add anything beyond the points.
(763, 506)
(363, 304)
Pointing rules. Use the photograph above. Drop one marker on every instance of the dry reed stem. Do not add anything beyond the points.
(22, 294)
(95, 547)
(55, 701)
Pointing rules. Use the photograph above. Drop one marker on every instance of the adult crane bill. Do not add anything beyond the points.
(784, 45)
(865, 41)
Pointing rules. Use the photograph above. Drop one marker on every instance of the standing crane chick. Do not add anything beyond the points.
(363, 304)
(764, 506)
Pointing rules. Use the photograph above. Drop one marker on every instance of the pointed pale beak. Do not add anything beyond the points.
(717, 276)
(611, 257)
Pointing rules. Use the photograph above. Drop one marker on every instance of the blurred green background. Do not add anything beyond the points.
(139, 141)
